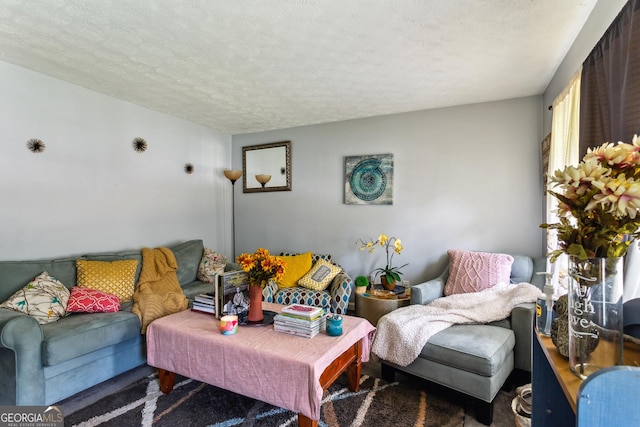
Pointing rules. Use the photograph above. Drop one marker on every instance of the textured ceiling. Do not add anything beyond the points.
(251, 65)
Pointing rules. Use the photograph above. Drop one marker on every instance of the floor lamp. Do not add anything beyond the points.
(233, 176)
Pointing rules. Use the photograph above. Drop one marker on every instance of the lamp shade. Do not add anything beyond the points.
(232, 174)
(263, 179)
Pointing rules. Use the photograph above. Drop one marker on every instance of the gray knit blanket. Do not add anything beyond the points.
(403, 333)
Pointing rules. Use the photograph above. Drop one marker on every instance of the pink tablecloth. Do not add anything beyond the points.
(277, 368)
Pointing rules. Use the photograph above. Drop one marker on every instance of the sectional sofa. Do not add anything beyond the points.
(41, 364)
(477, 359)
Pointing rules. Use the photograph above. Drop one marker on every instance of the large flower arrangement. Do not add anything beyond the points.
(391, 246)
(261, 267)
(598, 202)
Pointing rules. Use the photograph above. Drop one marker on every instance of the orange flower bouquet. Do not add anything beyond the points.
(261, 267)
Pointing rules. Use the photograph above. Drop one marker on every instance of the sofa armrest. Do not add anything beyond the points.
(340, 291)
(522, 318)
(424, 293)
(22, 376)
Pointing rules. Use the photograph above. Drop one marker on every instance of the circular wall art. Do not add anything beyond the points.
(369, 180)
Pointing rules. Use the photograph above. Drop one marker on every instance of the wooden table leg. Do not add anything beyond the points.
(349, 362)
(304, 421)
(355, 369)
(166, 379)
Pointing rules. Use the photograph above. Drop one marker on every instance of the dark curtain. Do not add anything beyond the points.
(610, 86)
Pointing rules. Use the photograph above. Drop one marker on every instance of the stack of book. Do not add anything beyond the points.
(204, 303)
(302, 320)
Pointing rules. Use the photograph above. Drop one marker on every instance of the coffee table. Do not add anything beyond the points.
(284, 370)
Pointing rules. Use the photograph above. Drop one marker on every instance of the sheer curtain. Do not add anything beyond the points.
(563, 151)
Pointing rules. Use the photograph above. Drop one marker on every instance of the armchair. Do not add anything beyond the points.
(476, 359)
(334, 299)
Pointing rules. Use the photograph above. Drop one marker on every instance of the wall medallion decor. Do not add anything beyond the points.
(36, 145)
(368, 180)
(189, 168)
(139, 145)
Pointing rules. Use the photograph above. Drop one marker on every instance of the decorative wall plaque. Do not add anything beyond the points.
(368, 180)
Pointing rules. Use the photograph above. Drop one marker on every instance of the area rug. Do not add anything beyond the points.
(192, 403)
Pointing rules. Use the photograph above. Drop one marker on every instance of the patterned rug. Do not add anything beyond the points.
(192, 403)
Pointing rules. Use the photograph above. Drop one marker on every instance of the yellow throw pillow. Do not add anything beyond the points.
(295, 267)
(115, 277)
(320, 276)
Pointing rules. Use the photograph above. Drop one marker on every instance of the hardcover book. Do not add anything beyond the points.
(207, 298)
(304, 311)
(231, 292)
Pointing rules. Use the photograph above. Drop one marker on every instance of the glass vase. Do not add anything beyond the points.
(595, 314)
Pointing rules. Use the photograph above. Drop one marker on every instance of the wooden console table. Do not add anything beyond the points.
(554, 387)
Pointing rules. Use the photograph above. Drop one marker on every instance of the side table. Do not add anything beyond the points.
(373, 308)
(557, 391)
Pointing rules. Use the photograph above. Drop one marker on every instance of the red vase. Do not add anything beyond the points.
(255, 305)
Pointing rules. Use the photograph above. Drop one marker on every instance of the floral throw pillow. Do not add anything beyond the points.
(85, 300)
(44, 298)
(211, 264)
(475, 271)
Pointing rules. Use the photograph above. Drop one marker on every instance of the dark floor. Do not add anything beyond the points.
(502, 413)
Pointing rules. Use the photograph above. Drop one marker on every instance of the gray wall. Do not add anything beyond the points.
(89, 191)
(465, 177)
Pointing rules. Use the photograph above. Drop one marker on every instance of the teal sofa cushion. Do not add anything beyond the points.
(522, 269)
(193, 289)
(16, 274)
(82, 333)
(481, 349)
(188, 256)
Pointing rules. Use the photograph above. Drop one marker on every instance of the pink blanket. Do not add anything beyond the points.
(277, 368)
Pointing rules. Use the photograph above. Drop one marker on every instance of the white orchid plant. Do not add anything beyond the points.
(599, 202)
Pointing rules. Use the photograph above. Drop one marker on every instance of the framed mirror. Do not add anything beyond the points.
(266, 167)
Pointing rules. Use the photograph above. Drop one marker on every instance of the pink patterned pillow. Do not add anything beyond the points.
(474, 271)
(85, 300)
